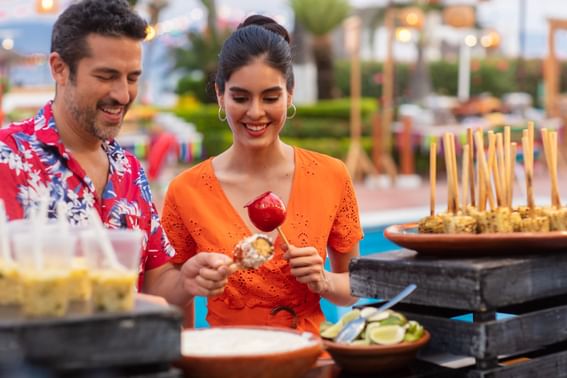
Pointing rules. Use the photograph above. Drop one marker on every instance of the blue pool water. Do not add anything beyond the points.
(373, 242)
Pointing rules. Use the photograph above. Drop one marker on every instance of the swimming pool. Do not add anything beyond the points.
(373, 242)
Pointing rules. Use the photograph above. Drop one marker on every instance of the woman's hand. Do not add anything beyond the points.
(206, 273)
(307, 267)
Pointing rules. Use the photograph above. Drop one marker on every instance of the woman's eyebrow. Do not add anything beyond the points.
(271, 89)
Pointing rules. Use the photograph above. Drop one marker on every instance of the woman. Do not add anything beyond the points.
(204, 207)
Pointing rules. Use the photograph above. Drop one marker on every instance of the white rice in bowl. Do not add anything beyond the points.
(241, 342)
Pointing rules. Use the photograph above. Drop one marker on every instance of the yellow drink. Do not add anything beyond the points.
(10, 284)
(46, 293)
(113, 290)
(79, 282)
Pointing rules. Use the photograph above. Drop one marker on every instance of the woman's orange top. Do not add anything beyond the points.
(322, 211)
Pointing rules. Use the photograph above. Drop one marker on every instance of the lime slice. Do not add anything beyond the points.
(376, 317)
(399, 315)
(349, 316)
(324, 325)
(332, 331)
(387, 335)
(369, 327)
(391, 320)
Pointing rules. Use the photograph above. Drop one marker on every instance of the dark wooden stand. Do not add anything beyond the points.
(141, 343)
(533, 289)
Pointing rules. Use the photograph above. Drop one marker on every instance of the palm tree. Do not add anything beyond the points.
(201, 56)
(320, 17)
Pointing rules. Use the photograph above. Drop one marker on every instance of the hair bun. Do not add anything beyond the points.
(266, 23)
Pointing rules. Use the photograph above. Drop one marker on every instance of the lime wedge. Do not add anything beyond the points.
(376, 317)
(387, 335)
(349, 316)
(332, 331)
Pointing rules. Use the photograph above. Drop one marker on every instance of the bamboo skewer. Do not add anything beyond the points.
(447, 153)
(455, 175)
(501, 170)
(549, 161)
(528, 169)
(509, 164)
(470, 142)
(511, 172)
(465, 173)
(432, 177)
(555, 197)
(494, 168)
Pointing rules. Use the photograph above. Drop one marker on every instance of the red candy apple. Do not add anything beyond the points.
(266, 212)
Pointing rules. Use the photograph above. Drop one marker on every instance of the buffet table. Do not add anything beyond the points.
(529, 293)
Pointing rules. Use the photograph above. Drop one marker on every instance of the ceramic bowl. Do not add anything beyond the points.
(375, 358)
(261, 352)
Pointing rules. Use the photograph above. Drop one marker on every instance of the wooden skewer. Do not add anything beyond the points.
(511, 173)
(485, 173)
(500, 168)
(492, 164)
(497, 175)
(527, 168)
(432, 177)
(455, 174)
(465, 172)
(556, 198)
(447, 153)
(470, 142)
(548, 160)
(509, 164)
(481, 186)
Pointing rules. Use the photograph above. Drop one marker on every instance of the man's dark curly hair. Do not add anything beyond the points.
(112, 18)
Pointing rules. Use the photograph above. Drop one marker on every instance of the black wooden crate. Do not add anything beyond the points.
(533, 289)
(150, 334)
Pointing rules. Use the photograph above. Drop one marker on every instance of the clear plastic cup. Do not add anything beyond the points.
(44, 260)
(113, 273)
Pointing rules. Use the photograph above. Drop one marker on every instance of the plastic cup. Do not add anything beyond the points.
(113, 278)
(45, 272)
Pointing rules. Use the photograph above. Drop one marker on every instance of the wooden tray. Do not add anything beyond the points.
(458, 245)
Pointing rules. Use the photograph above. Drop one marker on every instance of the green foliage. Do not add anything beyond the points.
(326, 120)
(372, 77)
(320, 17)
(492, 76)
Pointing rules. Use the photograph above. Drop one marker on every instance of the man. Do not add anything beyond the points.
(68, 153)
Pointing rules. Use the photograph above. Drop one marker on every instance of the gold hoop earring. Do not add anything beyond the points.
(220, 116)
(293, 111)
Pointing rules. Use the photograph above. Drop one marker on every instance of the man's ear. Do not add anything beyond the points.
(59, 69)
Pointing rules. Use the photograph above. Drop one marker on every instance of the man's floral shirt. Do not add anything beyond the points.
(34, 163)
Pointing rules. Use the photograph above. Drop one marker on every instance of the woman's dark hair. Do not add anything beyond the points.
(256, 36)
(112, 18)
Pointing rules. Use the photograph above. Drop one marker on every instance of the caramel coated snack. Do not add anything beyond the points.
(253, 251)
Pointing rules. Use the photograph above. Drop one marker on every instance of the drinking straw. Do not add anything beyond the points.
(102, 236)
(4, 245)
(62, 218)
(38, 219)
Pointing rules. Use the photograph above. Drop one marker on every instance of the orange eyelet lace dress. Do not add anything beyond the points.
(322, 211)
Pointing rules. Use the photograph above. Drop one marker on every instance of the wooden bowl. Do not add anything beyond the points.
(298, 353)
(375, 358)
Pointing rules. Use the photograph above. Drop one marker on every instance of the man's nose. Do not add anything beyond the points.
(121, 92)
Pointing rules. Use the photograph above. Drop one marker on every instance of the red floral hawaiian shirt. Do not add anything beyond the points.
(34, 162)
